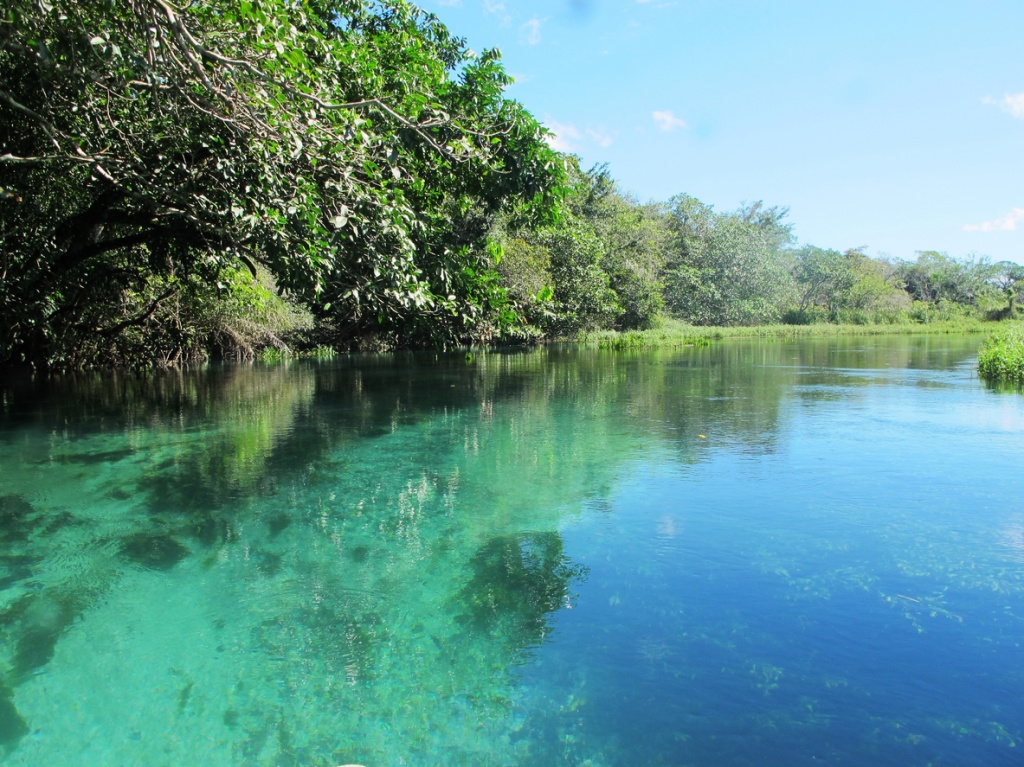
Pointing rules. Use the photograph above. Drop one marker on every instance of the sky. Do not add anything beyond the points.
(897, 126)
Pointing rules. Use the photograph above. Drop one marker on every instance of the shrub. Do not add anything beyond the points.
(1001, 357)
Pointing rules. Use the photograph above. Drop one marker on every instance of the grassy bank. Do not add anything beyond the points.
(1001, 357)
(672, 333)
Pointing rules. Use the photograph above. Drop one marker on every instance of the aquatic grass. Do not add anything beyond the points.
(273, 354)
(676, 334)
(1001, 357)
(645, 339)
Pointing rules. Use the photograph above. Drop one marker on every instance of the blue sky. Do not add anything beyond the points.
(895, 125)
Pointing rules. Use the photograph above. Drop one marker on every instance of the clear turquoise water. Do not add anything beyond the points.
(756, 554)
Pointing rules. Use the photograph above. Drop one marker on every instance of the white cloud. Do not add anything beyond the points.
(1007, 223)
(530, 31)
(667, 121)
(1012, 103)
(563, 136)
(497, 7)
(568, 138)
(600, 138)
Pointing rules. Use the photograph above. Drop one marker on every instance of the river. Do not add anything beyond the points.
(758, 553)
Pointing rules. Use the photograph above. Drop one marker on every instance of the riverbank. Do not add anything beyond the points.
(672, 333)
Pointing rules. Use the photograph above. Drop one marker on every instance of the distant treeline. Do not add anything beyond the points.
(612, 262)
(229, 177)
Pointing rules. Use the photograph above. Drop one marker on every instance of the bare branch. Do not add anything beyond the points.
(15, 159)
(139, 319)
(45, 124)
(24, 160)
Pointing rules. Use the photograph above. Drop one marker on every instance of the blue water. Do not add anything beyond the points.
(762, 553)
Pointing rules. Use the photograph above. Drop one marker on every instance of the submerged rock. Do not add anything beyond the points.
(15, 568)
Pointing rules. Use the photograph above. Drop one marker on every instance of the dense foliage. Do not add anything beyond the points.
(354, 152)
(1001, 357)
(728, 269)
(599, 265)
(223, 177)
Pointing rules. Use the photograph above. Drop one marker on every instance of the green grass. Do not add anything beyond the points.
(672, 333)
(1001, 357)
(272, 354)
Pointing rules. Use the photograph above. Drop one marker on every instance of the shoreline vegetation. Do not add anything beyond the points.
(155, 213)
(671, 333)
(1001, 357)
(674, 334)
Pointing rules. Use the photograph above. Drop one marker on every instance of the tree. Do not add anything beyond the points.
(1009, 278)
(824, 278)
(876, 294)
(730, 268)
(356, 150)
(635, 238)
(848, 286)
(583, 298)
(599, 262)
(935, 277)
(524, 267)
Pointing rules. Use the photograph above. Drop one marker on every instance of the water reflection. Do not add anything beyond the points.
(329, 563)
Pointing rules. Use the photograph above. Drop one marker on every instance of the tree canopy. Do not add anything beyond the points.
(356, 151)
(728, 268)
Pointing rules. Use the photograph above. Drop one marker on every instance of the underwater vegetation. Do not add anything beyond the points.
(41, 625)
(517, 583)
(15, 518)
(12, 726)
(157, 551)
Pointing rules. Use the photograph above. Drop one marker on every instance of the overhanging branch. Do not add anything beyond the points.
(139, 319)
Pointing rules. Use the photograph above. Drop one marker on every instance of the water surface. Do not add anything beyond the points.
(770, 553)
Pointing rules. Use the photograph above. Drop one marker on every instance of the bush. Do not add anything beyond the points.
(1001, 357)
